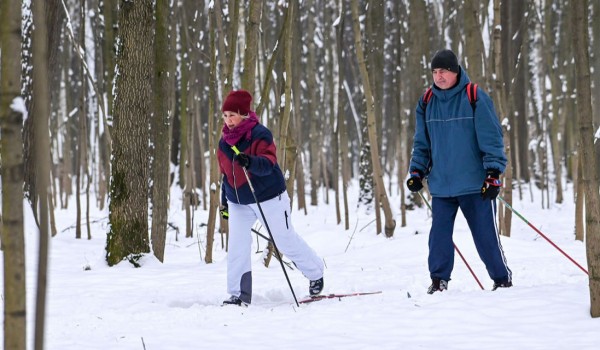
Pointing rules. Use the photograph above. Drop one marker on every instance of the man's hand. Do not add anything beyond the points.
(415, 182)
(491, 184)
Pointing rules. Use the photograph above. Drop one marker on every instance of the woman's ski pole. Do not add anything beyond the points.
(268, 229)
(455, 247)
(541, 234)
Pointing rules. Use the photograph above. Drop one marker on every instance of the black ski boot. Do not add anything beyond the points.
(503, 284)
(437, 285)
(316, 287)
(234, 301)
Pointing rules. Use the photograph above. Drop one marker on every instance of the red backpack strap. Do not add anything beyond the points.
(426, 98)
(472, 92)
(427, 95)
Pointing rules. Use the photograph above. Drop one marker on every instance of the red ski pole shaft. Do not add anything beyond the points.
(456, 248)
(541, 234)
(468, 266)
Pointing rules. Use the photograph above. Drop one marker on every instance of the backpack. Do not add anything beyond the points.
(471, 94)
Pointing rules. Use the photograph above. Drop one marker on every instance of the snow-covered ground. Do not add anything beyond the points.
(177, 305)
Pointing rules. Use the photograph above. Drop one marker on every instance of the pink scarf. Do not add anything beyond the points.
(242, 130)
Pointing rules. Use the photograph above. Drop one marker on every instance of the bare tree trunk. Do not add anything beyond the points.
(502, 108)
(551, 51)
(374, 51)
(41, 144)
(475, 53)
(586, 135)
(81, 135)
(418, 51)
(579, 202)
(342, 134)
(315, 115)
(188, 190)
(297, 110)
(284, 130)
(128, 210)
(287, 146)
(375, 35)
(390, 223)
(513, 72)
(11, 220)
(67, 159)
(110, 14)
(251, 52)
(213, 139)
(595, 60)
(184, 73)
(403, 118)
(54, 18)
(160, 131)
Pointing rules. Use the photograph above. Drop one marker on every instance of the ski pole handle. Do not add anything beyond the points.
(237, 152)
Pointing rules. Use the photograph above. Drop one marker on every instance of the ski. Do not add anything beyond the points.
(334, 296)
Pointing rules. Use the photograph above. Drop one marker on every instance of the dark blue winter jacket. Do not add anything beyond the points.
(454, 145)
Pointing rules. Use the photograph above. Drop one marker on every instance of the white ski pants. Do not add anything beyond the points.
(277, 213)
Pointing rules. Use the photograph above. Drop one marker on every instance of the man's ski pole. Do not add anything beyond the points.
(541, 234)
(455, 247)
(268, 229)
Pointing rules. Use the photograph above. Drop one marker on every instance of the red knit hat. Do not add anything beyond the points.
(238, 101)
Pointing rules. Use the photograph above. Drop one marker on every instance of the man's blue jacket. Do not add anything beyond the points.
(454, 145)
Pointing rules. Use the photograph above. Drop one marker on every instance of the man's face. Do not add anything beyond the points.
(443, 78)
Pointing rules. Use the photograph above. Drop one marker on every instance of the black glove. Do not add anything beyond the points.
(415, 182)
(491, 184)
(224, 213)
(243, 159)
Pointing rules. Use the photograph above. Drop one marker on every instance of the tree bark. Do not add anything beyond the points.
(160, 131)
(41, 143)
(502, 109)
(586, 138)
(214, 125)
(284, 127)
(390, 223)
(11, 148)
(251, 52)
(128, 210)
(474, 57)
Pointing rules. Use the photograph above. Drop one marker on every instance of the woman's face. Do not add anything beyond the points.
(443, 78)
(231, 119)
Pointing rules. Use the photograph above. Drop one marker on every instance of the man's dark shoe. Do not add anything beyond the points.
(503, 284)
(437, 285)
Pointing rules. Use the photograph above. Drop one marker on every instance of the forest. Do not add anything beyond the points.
(130, 93)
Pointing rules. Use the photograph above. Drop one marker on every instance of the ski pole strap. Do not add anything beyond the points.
(235, 150)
